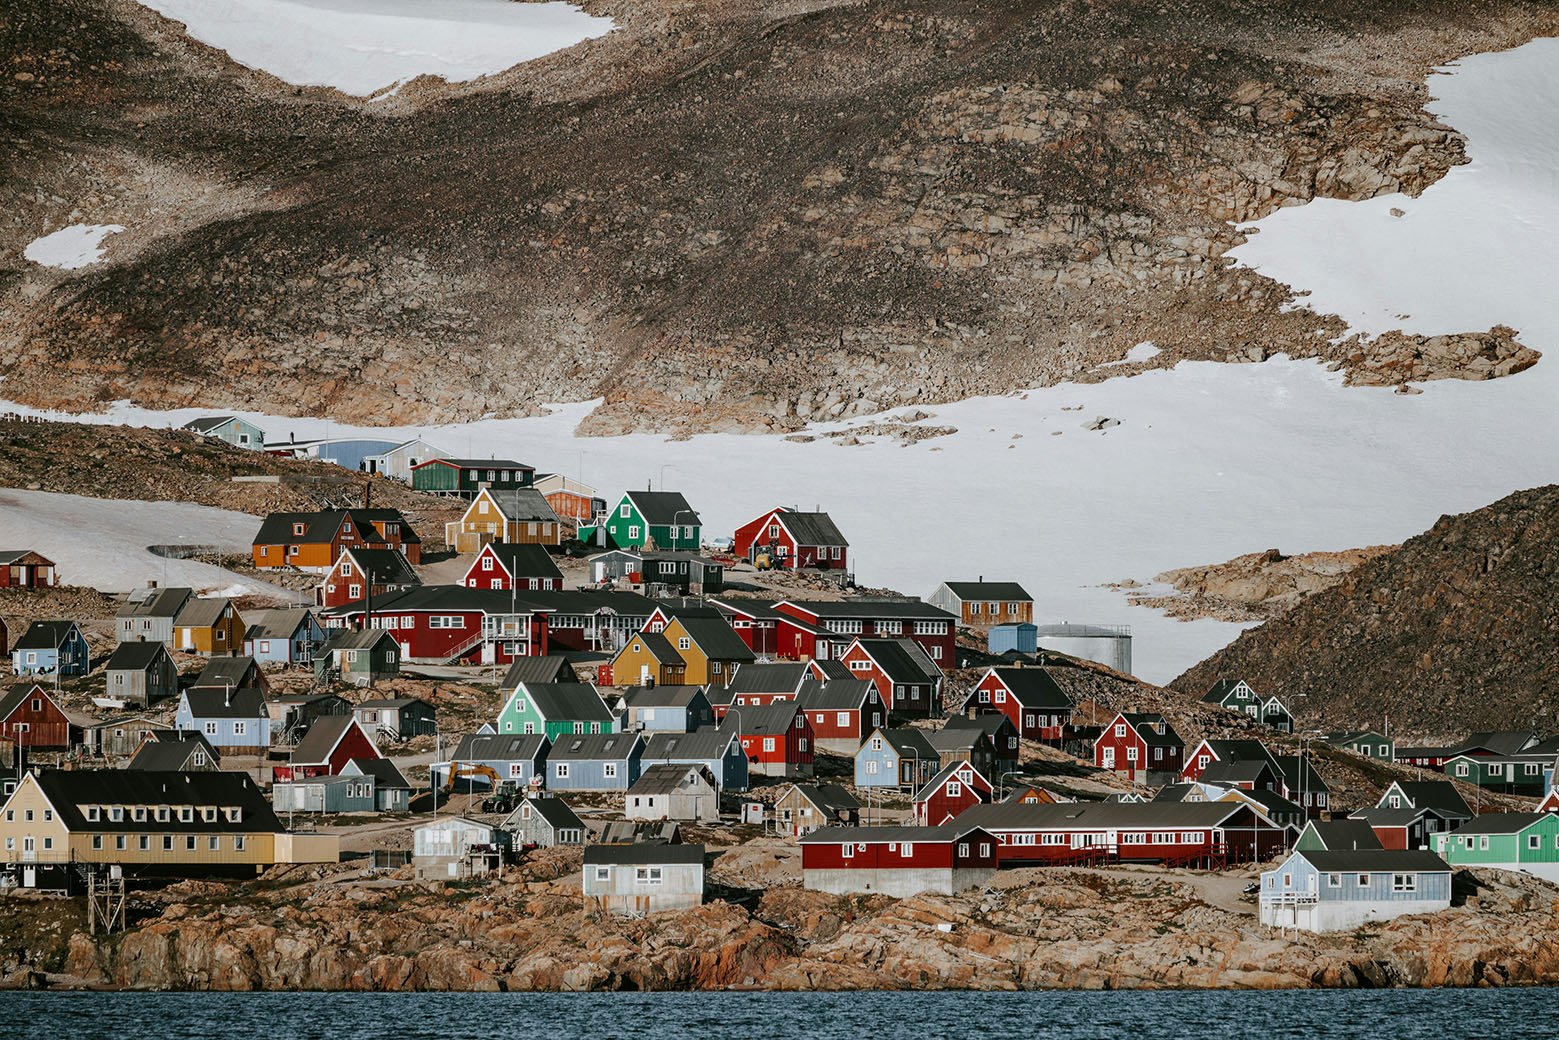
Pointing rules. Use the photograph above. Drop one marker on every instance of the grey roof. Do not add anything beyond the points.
(957, 738)
(324, 734)
(1238, 771)
(202, 613)
(667, 778)
(1499, 742)
(154, 603)
(207, 423)
(642, 853)
(833, 669)
(1501, 823)
(658, 647)
(161, 756)
(896, 659)
(384, 566)
(548, 669)
(768, 678)
(878, 835)
(555, 811)
(1145, 724)
(523, 504)
(661, 696)
(357, 639)
(943, 775)
(322, 525)
(910, 743)
(1345, 834)
(1240, 750)
(834, 695)
(811, 528)
(704, 744)
(137, 656)
(715, 637)
(225, 671)
(664, 508)
(1010, 591)
(832, 799)
(211, 703)
(1375, 860)
(525, 560)
(501, 747)
(596, 747)
(44, 635)
(1433, 794)
(387, 775)
(1088, 815)
(1034, 687)
(575, 702)
(277, 624)
(765, 718)
(1390, 817)
(1299, 773)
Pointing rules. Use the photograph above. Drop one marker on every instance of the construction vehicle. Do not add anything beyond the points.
(504, 799)
(468, 771)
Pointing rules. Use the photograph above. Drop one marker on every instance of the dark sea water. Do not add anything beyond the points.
(1343, 1014)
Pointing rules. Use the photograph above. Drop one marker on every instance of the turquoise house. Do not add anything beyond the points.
(556, 710)
(659, 519)
(1526, 842)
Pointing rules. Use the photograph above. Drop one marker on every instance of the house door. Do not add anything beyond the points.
(29, 847)
(644, 675)
(29, 877)
(1109, 758)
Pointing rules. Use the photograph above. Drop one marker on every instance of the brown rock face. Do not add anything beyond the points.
(717, 216)
(1455, 630)
(1255, 586)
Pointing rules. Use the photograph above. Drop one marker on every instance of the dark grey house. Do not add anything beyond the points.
(543, 822)
(395, 719)
(188, 754)
(142, 673)
(392, 791)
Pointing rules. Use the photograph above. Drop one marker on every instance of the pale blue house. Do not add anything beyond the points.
(718, 750)
(51, 646)
(232, 721)
(1327, 891)
(666, 709)
(241, 433)
(595, 762)
(900, 759)
(284, 636)
(516, 757)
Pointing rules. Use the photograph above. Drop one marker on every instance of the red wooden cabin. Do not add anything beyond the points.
(958, 787)
(1135, 744)
(30, 718)
(1029, 697)
(331, 742)
(793, 540)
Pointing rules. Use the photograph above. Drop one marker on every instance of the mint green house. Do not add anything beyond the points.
(1528, 842)
(556, 710)
(658, 519)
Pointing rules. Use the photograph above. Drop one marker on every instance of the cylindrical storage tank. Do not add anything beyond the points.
(1107, 644)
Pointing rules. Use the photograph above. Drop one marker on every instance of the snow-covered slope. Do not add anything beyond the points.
(365, 46)
(69, 248)
(1210, 460)
(103, 544)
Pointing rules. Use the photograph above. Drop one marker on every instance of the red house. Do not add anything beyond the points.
(792, 540)
(777, 739)
(843, 712)
(899, 670)
(1211, 753)
(1171, 833)
(1029, 697)
(447, 623)
(513, 565)
(1136, 744)
(897, 861)
(25, 569)
(959, 786)
(842, 621)
(359, 569)
(757, 623)
(331, 742)
(30, 718)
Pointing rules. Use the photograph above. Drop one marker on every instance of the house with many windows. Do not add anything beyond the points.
(513, 565)
(595, 762)
(49, 647)
(1319, 890)
(360, 572)
(313, 541)
(648, 519)
(985, 604)
(839, 623)
(467, 478)
(234, 721)
(515, 515)
(556, 710)
(1031, 699)
(788, 539)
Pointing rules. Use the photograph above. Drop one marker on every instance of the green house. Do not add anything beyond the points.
(1366, 742)
(1507, 774)
(1509, 841)
(465, 477)
(652, 519)
(556, 709)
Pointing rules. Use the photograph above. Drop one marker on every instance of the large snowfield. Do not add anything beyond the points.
(103, 544)
(362, 47)
(1210, 460)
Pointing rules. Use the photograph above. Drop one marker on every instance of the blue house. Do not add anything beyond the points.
(50, 646)
(1326, 891)
(231, 720)
(241, 433)
(1021, 637)
(896, 758)
(718, 750)
(484, 754)
(666, 709)
(284, 636)
(595, 762)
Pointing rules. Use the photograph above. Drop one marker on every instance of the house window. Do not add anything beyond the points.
(768, 743)
(954, 789)
(213, 843)
(1534, 841)
(603, 873)
(610, 770)
(145, 843)
(684, 643)
(633, 531)
(93, 813)
(211, 729)
(297, 530)
(1404, 882)
(167, 843)
(238, 843)
(1364, 881)
(240, 728)
(963, 848)
(119, 842)
(647, 875)
(97, 841)
(936, 653)
(562, 770)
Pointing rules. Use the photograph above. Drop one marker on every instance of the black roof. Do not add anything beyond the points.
(831, 798)
(1345, 835)
(44, 635)
(1431, 794)
(322, 526)
(69, 790)
(1148, 726)
(1374, 860)
(136, 657)
(643, 853)
(154, 602)
(221, 672)
(524, 560)
(1034, 687)
(501, 747)
(811, 528)
(909, 742)
(548, 669)
(577, 702)
(664, 508)
(767, 677)
(717, 639)
(384, 566)
(1010, 591)
(767, 718)
(872, 608)
(661, 696)
(243, 703)
(834, 695)
(896, 659)
(555, 811)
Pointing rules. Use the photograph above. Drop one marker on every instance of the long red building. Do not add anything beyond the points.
(839, 623)
(897, 861)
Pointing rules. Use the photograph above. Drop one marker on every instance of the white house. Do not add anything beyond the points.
(455, 847)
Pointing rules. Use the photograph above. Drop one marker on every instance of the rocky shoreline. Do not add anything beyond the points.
(1026, 929)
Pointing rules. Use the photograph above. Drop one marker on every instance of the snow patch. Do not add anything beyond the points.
(79, 245)
(1144, 351)
(362, 47)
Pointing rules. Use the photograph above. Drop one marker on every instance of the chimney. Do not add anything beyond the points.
(227, 697)
(151, 583)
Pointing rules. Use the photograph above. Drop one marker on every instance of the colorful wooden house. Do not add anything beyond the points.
(26, 569)
(649, 519)
(764, 682)
(984, 604)
(843, 712)
(516, 515)
(643, 878)
(1003, 735)
(789, 539)
(513, 565)
(314, 541)
(717, 749)
(897, 861)
(1030, 698)
(964, 745)
(543, 822)
(1405, 828)
(50, 647)
(605, 761)
(801, 809)
(361, 572)
(1366, 742)
(360, 656)
(575, 503)
(556, 710)
(147, 614)
(958, 787)
(1211, 753)
(1138, 744)
(31, 718)
(649, 659)
(777, 739)
(212, 627)
(897, 668)
(901, 759)
(240, 433)
(692, 650)
(442, 624)
(141, 673)
(234, 721)
(467, 478)
(1513, 774)
(397, 462)
(843, 621)
(1328, 891)
(1238, 695)
(686, 573)
(1168, 832)
(331, 742)
(291, 637)
(667, 709)
(673, 792)
(395, 719)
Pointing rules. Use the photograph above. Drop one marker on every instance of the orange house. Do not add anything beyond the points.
(313, 541)
(210, 627)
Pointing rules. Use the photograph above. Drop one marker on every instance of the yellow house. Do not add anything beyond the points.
(147, 823)
(209, 626)
(518, 515)
(648, 658)
(709, 648)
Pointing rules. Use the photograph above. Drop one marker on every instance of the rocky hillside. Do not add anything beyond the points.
(1457, 630)
(1252, 587)
(720, 215)
(1026, 929)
